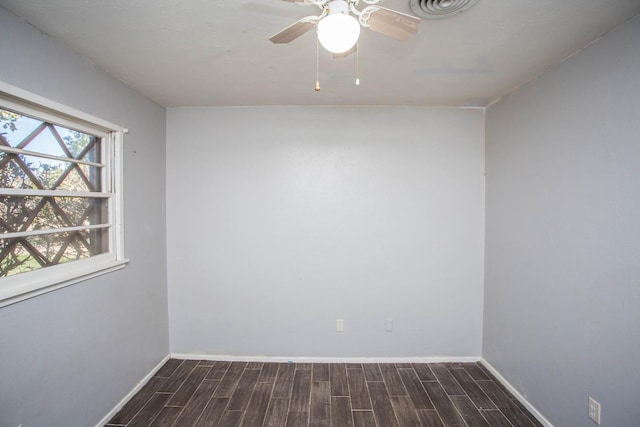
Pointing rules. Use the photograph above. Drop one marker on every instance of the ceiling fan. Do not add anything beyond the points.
(338, 25)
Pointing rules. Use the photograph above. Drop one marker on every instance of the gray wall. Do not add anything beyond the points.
(562, 291)
(67, 357)
(281, 220)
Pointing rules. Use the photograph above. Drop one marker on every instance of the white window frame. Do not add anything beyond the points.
(37, 282)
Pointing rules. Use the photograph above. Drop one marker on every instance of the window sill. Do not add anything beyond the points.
(28, 285)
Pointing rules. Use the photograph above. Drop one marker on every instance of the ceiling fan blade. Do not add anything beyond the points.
(295, 30)
(347, 53)
(394, 24)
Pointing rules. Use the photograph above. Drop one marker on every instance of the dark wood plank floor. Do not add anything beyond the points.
(196, 393)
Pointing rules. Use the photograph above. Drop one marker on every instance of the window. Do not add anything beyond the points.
(60, 196)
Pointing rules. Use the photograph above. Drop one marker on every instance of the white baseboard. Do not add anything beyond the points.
(284, 359)
(516, 393)
(132, 392)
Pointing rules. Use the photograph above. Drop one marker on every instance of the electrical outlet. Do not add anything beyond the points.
(388, 325)
(594, 410)
(339, 325)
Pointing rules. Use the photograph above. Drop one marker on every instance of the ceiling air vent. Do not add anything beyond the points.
(433, 9)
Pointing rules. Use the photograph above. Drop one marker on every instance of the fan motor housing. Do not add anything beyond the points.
(338, 6)
(436, 9)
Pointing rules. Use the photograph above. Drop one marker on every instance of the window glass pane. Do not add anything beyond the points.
(30, 253)
(12, 173)
(23, 172)
(28, 213)
(91, 153)
(15, 127)
(44, 142)
(16, 259)
(31, 134)
(76, 142)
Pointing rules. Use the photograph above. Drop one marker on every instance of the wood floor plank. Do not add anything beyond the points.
(392, 380)
(424, 372)
(533, 419)
(320, 372)
(358, 389)
(404, 365)
(218, 370)
(277, 412)
(320, 402)
(230, 380)
(173, 383)
(255, 365)
(198, 403)
(150, 411)
(167, 416)
(510, 410)
(301, 391)
(495, 418)
(469, 412)
(222, 365)
(445, 407)
(445, 378)
(495, 380)
(429, 418)
(472, 389)
(257, 408)
(475, 372)
(168, 368)
(414, 387)
(382, 408)
(372, 372)
(353, 365)
(213, 413)
(341, 411)
(453, 365)
(364, 419)
(338, 379)
(485, 370)
(284, 382)
(133, 406)
(297, 419)
(268, 373)
(302, 366)
(405, 411)
(243, 391)
(231, 418)
(189, 386)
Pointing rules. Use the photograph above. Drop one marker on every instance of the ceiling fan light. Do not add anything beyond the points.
(338, 32)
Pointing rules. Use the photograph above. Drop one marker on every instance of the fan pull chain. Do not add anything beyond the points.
(358, 63)
(317, 88)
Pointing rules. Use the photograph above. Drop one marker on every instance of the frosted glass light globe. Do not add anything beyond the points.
(338, 32)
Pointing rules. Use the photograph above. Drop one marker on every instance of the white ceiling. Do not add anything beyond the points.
(216, 52)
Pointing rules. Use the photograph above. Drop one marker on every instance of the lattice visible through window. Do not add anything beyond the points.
(53, 204)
